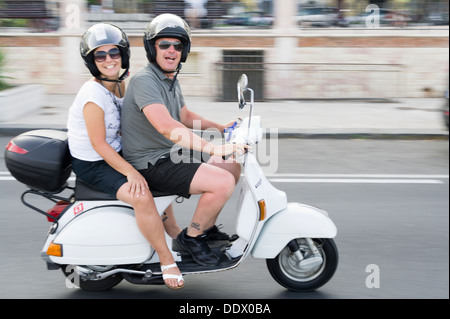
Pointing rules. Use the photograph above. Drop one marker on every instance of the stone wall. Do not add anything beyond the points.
(324, 63)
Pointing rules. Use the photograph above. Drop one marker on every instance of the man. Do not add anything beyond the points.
(155, 128)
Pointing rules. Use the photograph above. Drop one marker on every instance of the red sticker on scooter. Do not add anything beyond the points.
(77, 209)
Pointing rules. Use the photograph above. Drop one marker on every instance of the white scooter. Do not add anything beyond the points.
(94, 238)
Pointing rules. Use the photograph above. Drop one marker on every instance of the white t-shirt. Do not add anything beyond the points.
(79, 144)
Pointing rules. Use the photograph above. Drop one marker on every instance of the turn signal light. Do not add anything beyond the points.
(54, 250)
(262, 209)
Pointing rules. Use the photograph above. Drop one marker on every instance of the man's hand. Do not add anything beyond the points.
(229, 124)
(228, 149)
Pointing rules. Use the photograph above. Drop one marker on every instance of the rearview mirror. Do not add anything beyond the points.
(242, 86)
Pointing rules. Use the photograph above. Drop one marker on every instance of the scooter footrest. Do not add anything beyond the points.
(217, 247)
(188, 265)
(142, 280)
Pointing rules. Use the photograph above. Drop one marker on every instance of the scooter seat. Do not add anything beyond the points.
(84, 191)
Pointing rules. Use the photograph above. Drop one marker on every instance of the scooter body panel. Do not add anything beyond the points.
(102, 236)
(247, 213)
(258, 200)
(296, 221)
(262, 190)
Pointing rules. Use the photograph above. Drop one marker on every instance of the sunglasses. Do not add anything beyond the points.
(100, 56)
(164, 45)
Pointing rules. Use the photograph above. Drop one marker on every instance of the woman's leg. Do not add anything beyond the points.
(151, 226)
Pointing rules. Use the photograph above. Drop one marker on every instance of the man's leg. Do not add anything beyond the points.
(229, 165)
(216, 186)
(170, 222)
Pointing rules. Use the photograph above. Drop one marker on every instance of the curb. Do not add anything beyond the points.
(16, 130)
(6, 131)
(364, 135)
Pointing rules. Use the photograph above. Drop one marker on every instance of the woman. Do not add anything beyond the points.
(95, 141)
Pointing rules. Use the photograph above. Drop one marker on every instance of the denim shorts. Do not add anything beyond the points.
(99, 175)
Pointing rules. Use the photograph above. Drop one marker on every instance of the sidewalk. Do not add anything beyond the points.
(402, 118)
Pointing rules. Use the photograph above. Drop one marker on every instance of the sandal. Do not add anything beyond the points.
(170, 276)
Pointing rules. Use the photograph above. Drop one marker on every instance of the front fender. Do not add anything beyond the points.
(296, 221)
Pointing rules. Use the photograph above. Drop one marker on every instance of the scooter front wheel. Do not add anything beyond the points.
(287, 271)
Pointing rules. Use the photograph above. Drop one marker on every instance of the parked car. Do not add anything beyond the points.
(387, 17)
(318, 16)
(251, 18)
(398, 18)
(445, 109)
(438, 18)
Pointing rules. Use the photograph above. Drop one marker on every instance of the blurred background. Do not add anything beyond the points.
(290, 49)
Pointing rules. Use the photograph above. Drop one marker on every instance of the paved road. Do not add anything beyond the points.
(389, 200)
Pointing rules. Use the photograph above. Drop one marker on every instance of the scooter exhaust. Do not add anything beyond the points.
(94, 275)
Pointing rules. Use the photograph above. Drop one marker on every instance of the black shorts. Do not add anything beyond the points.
(99, 175)
(173, 175)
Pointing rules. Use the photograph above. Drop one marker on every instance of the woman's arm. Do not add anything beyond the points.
(95, 124)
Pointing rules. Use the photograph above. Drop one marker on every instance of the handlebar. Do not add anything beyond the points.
(228, 132)
(246, 132)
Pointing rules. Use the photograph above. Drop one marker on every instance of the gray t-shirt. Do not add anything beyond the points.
(141, 142)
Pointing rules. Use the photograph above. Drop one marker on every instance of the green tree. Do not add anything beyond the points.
(3, 84)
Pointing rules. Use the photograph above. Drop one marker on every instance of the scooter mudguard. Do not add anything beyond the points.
(102, 236)
(296, 221)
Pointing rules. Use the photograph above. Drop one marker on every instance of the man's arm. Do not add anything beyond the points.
(188, 117)
(159, 117)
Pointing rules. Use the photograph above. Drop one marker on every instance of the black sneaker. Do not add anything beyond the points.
(198, 248)
(214, 234)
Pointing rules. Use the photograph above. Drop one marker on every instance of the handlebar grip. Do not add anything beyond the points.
(229, 130)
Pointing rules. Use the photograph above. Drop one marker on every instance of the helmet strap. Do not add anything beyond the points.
(177, 70)
(120, 79)
(175, 77)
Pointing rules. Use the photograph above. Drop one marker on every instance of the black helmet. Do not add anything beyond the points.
(167, 25)
(104, 34)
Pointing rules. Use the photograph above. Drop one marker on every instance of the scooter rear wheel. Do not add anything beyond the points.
(91, 285)
(286, 271)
